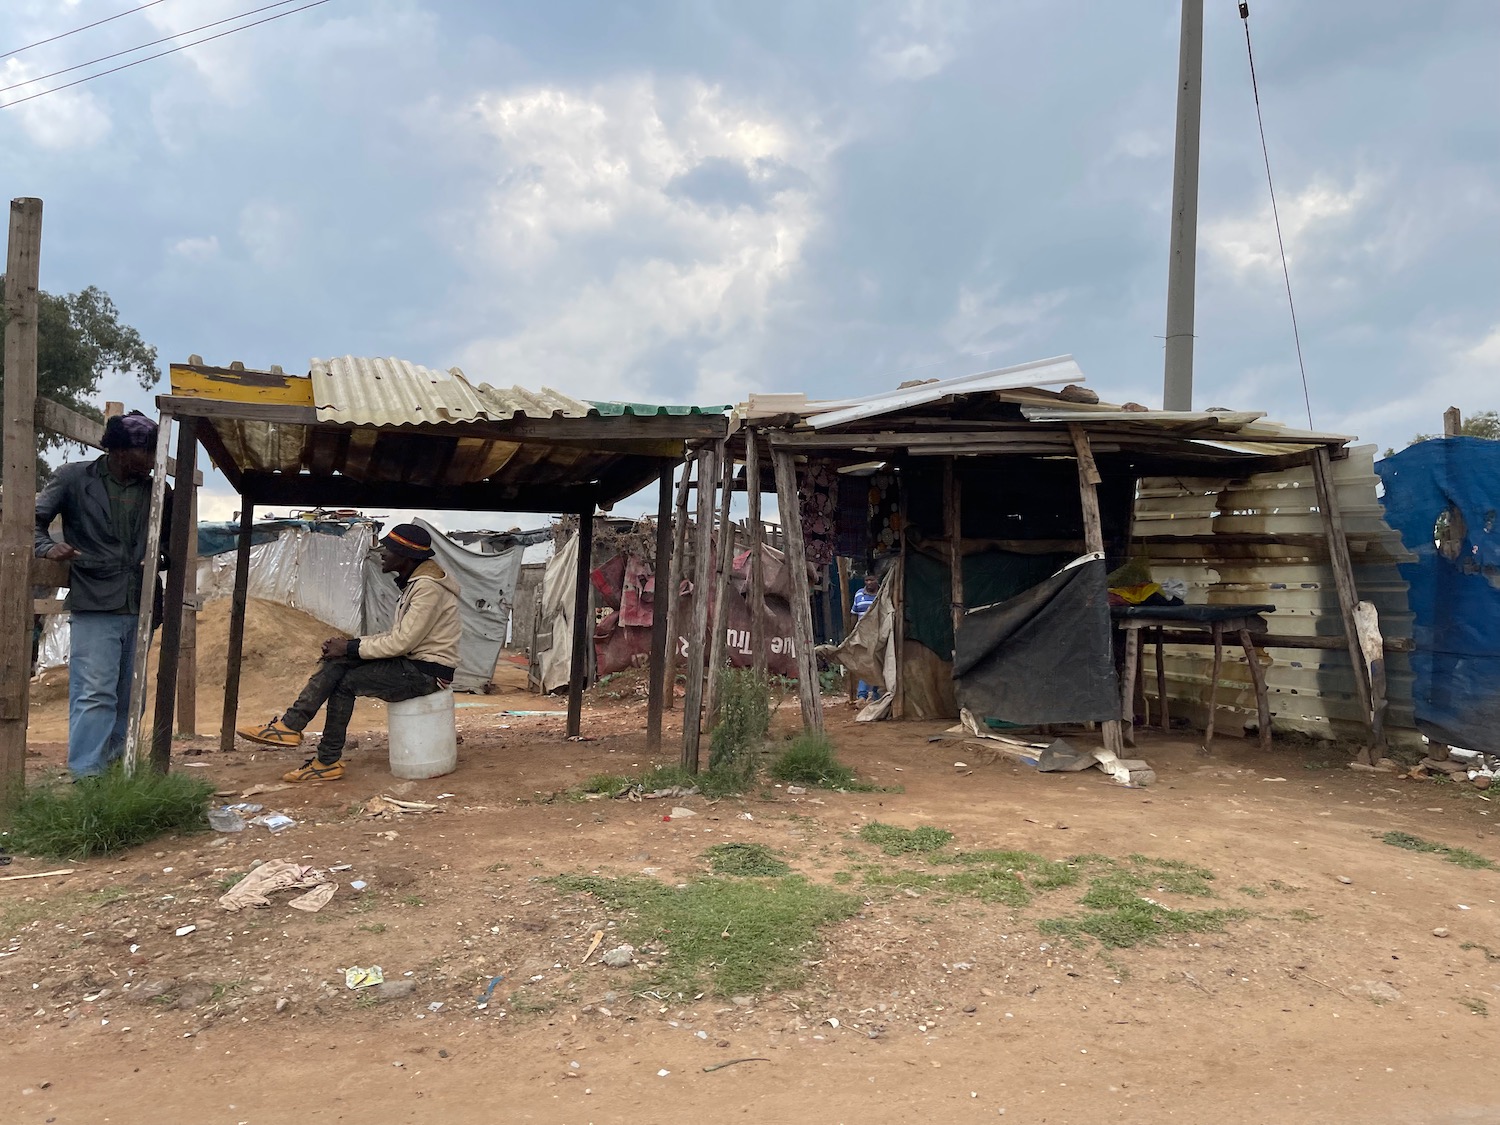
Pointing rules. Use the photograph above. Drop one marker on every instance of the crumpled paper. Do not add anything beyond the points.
(277, 875)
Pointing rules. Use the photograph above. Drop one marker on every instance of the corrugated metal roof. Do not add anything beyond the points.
(394, 392)
(651, 409)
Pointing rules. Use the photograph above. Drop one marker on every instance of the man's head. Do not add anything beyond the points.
(872, 583)
(130, 442)
(404, 548)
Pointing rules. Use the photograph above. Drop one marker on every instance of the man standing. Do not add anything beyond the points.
(864, 598)
(103, 504)
(417, 657)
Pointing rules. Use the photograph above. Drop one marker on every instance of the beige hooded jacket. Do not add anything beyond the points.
(426, 623)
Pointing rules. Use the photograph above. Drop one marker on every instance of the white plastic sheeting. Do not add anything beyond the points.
(321, 575)
(553, 643)
(487, 590)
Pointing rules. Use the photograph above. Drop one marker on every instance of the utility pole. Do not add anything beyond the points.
(1177, 383)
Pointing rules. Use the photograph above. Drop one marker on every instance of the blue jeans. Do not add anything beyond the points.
(101, 653)
(866, 691)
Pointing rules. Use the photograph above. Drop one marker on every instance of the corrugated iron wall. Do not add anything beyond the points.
(1260, 540)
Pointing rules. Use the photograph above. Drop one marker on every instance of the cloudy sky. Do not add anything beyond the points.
(687, 202)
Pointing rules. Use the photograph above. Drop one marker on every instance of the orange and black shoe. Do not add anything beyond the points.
(274, 733)
(314, 770)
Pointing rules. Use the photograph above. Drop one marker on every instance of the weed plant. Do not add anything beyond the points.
(108, 813)
(808, 760)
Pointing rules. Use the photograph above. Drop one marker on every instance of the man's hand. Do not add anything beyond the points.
(335, 647)
(63, 552)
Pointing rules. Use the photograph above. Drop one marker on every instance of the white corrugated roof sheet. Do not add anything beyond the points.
(394, 392)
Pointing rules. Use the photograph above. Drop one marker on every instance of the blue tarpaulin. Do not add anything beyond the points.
(1442, 496)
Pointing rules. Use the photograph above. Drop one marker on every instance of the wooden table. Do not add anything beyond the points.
(1216, 620)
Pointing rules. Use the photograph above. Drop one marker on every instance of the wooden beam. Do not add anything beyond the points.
(187, 665)
(757, 564)
(808, 693)
(178, 552)
(953, 521)
(898, 605)
(1285, 640)
(237, 603)
(303, 490)
(1093, 542)
(149, 563)
(583, 623)
(723, 563)
(1262, 697)
(662, 593)
(679, 564)
(1343, 578)
(1453, 422)
(692, 703)
(18, 475)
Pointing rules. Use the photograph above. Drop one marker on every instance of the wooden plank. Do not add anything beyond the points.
(663, 595)
(679, 565)
(179, 550)
(1127, 685)
(1213, 687)
(796, 558)
(583, 621)
(239, 384)
(757, 562)
(846, 600)
(237, 604)
(1163, 701)
(953, 523)
(187, 666)
(723, 564)
(149, 563)
(17, 514)
(1286, 640)
(692, 702)
(1453, 422)
(1258, 677)
(1343, 576)
(1093, 542)
(47, 606)
(898, 605)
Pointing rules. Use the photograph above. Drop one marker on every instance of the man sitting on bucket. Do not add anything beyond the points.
(417, 657)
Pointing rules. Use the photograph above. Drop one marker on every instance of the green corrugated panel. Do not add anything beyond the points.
(650, 409)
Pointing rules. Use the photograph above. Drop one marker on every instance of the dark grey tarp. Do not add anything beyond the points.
(1044, 656)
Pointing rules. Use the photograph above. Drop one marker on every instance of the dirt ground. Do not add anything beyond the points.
(1332, 1000)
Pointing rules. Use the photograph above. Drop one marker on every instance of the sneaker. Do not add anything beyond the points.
(314, 770)
(274, 733)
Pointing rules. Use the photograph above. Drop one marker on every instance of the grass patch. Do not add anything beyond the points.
(1300, 915)
(808, 760)
(107, 814)
(1118, 915)
(710, 783)
(1009, 877)
(904, 841)
(744, 722)
(1253, 892)
(723, 936)
(374, 928)
(1475, 1005)
(1461, 857)
(754, 860)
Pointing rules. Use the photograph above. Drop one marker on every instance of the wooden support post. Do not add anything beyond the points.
(846, 602)
(796, 558)
(663, 595)
(22, 277)
(1161, 683)
(1213, 687)
(1127, 688)
(1343, 580)
(1093, 541)
(187, 666)
(953, 523)
(898, 606)
(1453, 422)
(1258, 678)
(178, 552)
(149, 563)
(237, 603)
(679, 565)
(758, 639)
(692, 701)
(583, 624)
(723, 567)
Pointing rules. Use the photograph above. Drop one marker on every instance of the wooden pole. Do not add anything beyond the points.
(801, 596)
(692, 701)
(846, 603)
(953, 518)
(18, 512)
(679, 562)
(661, 660)
(1093, 541)
(1162, 705)
(144, 625)
(723, 568)
(187, 668)
(1213, 686)
(583, 624)
(237, 604)
(178, 550)
(758, 639)
(1453, 422)
(1258, 679)
(1343, 580)
(1127, 690)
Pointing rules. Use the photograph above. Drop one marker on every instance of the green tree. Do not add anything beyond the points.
(80, 339)
(1484, 424)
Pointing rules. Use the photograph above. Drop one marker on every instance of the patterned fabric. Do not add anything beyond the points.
(818, 488)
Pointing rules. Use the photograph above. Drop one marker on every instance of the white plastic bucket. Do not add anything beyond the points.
(424, 741)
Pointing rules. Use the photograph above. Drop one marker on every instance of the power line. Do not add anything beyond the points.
(1276, 214)
(161, 54)
(76, 30)
(143, 46)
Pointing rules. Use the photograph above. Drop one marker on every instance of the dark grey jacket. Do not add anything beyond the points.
(99, 577)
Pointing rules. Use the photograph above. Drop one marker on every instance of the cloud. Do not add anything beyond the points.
(64, 120)
(195, 249)
(987, 321)
(635, 236)
(270, 233)
(1311, 222)
(914, 39)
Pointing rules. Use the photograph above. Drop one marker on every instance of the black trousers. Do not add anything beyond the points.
(338, 682)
